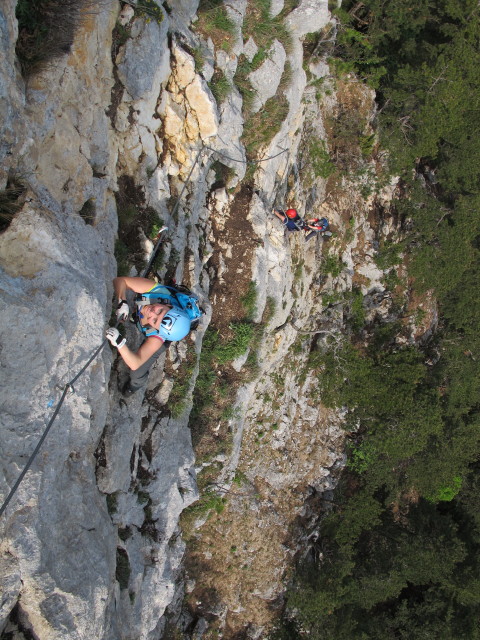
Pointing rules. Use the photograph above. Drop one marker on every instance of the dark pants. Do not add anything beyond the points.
(139, 377)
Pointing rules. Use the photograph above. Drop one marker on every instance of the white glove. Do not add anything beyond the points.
(122, 311)
(116, 340)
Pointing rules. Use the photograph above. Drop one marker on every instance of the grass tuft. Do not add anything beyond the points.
(11, 202)
(220, 86)
(262, 127)
(214, 22)
(46, 30)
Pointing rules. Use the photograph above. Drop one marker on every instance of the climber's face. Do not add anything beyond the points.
(153, 314)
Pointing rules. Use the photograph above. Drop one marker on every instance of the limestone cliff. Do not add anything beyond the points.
(91, 545)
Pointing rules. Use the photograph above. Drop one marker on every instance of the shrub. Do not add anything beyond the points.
(333, 264)
(319, 158)
(220, 86)
(46, 30)
(11, 202)
(123, 570)
(249, 300)
(237, 345)
(262, 127)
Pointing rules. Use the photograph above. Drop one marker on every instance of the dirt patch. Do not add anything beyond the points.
(230, 269)
(231, 262)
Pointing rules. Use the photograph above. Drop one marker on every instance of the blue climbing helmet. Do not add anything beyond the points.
(175, 325)
(177, 322)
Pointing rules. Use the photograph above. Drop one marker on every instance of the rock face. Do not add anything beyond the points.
(266, 78)
(91, 545)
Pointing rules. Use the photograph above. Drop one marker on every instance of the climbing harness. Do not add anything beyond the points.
(67, 388)
(192, 311)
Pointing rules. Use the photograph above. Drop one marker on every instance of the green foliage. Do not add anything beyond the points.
(447, 493)
(269, 311)
(177, 400)
(121, 256)
(46, 29)
(215, 23)
(220, 86)
(319, 158)
(123, 570)
(401, 544)
(332, 264)
(244, 67)
(156, 226)
(249, 300)
(367, 143)
(261, 127)
(132, 213)
(112, 501)
(237, 345)
(11, 202)
(361, 457)
(388, 255)
(263, 27)
(357, 310)
(209, 501)
(150, 9)
(199, 59)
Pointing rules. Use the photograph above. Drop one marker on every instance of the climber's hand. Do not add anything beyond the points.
(122, 311)
(114, 337)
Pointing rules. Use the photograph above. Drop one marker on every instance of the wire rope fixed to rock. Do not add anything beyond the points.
(69, 385)
(241, 160)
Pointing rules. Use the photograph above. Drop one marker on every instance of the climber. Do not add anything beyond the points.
(291, 219)
(160, 323)
(318, 225)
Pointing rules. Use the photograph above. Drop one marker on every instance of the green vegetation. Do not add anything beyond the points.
(237, 345)
(11, 202)
(149, 9)
(46, 29)
(208, 504)
(243, 84)
(177, 400)
(123, 570)
(333, 264)
(261, 127)
(214, 22)
(249, 300)
(319, 158)
(401, 542)
(112, 503)
(220, 86)
(132, 213)
(265, 28)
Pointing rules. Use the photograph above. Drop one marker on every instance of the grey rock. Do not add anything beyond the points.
(276, 7)
(135, 69)
(250, 49)
(266, 78)
(310, 16)
(227, 143)
(12, 100)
